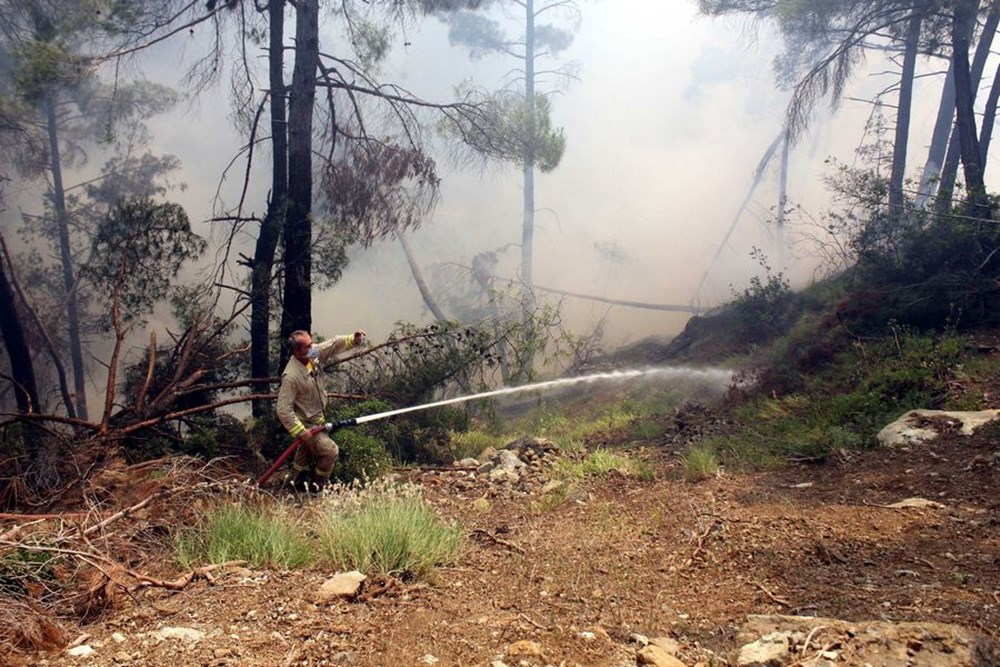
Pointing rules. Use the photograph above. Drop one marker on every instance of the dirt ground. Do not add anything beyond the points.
(570, 583)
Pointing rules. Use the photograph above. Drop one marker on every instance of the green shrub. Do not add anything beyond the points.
(700, 463)
(362, 457)
(389, 534)
(258, 535)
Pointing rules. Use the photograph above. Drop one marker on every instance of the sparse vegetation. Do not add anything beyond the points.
(700, 463)
(387, 531)
(602, 462)
(257, 534)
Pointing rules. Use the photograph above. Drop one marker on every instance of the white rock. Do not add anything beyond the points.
(771, 650)
(81, 651)
(906, 429)
(916, 503)
(118, 637)
(429, 660)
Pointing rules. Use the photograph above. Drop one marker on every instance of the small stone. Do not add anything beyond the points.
(641, 640)
(481, 505)
(81, 651)
(187, 635)
(429, 660)
(122, 656)
(524, 649)
(343, 585)
(118, 637)
(655, 656)
(668, 644)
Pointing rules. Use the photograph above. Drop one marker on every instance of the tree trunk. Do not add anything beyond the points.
(270, 228)
(21, 369)
(528, 225)
(963, 20)
(896, 197)
(66, 258)
(782, 199)
(418, 276)
(949, 171)
(297, 301)
(939, 139)
(989, 116)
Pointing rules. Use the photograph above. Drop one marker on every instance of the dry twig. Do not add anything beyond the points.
(496, 540)
(774, 598)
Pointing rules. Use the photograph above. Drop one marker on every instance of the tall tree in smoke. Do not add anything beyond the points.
(63, 106)
(524, 125)
(826, 41)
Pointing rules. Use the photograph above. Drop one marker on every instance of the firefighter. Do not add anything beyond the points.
(301, 404)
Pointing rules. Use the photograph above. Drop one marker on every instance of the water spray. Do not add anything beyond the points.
(713, 375)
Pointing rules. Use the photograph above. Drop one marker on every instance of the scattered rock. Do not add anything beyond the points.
(641, 640)
(118, 637)
(771, 650)
(916, 503)
(525, 649)
(429, 660)
(81, 651)
(343, 585)
(186, 635)
(668, 644)
(656, 656)
(467, 463)
(778, 641)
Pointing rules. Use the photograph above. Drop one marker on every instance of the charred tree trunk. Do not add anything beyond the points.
(965, 124)
(270, 228)
(66, 258)
(903, 115)
(297, 302)
(21, 369)
(949, 171)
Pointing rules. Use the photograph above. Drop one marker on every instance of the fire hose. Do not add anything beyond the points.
(301, 438)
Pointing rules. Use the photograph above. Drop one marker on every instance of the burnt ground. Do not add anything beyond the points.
(578, 577)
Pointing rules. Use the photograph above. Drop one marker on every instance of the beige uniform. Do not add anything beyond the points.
(301, 404)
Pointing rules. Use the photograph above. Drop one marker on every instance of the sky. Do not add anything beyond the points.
(669, 117)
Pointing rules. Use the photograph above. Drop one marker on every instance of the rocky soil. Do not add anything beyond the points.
(616, 571)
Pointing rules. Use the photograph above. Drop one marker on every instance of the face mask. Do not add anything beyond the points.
(313, 353)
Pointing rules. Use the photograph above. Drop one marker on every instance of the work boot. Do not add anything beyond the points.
(318, 484)
(300, 483)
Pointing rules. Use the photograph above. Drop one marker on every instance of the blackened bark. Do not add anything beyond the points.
(297, 302)
(270, 228)
(965, 122)
(66, 259)
(949, 171)
(21, 369)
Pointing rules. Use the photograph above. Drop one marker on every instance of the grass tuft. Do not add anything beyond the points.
(601, 463)
(700, 463)
(257, 535)
(389, 534)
